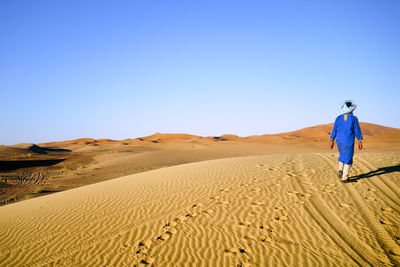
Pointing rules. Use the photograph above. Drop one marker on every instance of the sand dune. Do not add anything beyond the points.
(319, 133)
(268, 210)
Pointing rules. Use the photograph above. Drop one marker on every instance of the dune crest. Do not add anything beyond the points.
(316, 133)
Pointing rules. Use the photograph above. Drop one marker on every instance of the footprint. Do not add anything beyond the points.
(215, 197)
(142, 250)
(384, 221)
(172, 231)
(388, 209)
(191, 214)
(232, 250)
(181, 218)
(163, 237)
(266, 239)
(281, 218)
(224, 190)
(370, 198)
(245, 223)
(147, 260)
(344, 205)
(208, 211)
(266, 227)
(199, 205)
(170, 224)
(243, 250)
(146, 243)
(330, 185)
(290, 173)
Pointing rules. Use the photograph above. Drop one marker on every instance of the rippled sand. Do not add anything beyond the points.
(270, 210)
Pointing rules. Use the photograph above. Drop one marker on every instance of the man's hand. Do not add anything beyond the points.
(360, 146)
(332, 143)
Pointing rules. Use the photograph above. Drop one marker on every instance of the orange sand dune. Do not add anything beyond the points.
(323, 131)
(319, 133)
(164, 138)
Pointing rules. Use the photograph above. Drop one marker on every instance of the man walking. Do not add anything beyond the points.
(345, 129)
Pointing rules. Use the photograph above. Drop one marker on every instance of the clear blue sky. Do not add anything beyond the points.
(125, 69)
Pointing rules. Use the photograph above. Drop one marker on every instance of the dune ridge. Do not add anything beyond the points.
(268, 210)
(309, 134)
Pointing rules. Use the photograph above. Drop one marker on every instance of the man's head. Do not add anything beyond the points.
(347, 106)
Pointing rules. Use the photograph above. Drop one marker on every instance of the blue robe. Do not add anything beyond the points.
(344, 131)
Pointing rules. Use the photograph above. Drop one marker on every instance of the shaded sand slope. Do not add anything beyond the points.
(270, 210)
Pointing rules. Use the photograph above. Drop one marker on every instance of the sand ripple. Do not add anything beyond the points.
(271, 210)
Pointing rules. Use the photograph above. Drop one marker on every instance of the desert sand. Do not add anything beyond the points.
(29, 170)
(267, 210)
(184, 200)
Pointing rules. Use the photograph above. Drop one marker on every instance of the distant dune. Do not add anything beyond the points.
(316, 134)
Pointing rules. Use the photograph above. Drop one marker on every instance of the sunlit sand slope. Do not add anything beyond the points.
(272, 210)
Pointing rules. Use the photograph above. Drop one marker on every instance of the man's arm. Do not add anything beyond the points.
(358, 133)
(333, 134)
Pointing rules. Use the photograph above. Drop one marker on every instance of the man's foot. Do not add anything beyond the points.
(340, 174)
(345, 179)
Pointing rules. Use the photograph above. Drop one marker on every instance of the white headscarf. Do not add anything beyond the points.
(344, 109)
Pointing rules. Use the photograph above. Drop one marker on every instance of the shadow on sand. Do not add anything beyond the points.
(377, 172)
(45, 150)
(11, 165)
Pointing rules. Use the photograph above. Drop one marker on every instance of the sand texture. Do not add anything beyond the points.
(30, 170)
(268, 210)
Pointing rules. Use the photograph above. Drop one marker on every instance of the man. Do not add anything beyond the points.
(345, 129)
